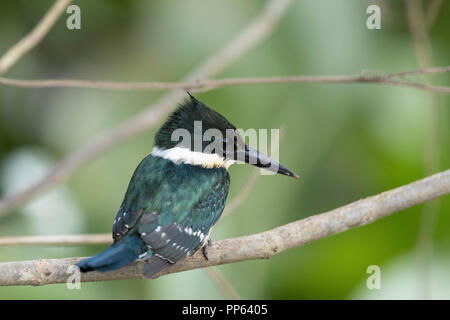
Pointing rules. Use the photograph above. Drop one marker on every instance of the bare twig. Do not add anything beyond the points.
(432, 12)
(223, 284)
(419, 31)
(254, 33)
(242, 195)
(256, 246)
(34, 37)
(57, 240)
(424, 71)
(203, 85)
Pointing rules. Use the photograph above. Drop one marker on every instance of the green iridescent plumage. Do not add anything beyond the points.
(173, 190)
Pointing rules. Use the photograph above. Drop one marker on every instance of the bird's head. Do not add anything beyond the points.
(197, 135)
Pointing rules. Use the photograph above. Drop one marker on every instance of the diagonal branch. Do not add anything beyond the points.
(255, 32)
(223, 284)
(257, 246)
(204, 85)
(34, 37)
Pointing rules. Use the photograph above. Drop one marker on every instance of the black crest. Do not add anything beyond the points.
(185, 117)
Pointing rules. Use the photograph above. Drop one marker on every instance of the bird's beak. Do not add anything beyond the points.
(259, 159)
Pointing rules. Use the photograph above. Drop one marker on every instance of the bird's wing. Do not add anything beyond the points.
(176, 240)
(125, 220)
(172, 207)
(189, 209)
(144, 185)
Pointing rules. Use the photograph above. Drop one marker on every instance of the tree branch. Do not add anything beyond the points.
(203, 85)
(255, 32)
(257, 246)
(34, 37)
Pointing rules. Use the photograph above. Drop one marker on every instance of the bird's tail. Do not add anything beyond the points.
(116, 256)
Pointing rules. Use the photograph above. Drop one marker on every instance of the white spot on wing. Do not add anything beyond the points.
(142, 255)
(164, 258)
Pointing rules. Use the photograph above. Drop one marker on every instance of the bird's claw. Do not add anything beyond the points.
(205, 248)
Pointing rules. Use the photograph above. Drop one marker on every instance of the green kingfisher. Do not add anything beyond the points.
(177, 193)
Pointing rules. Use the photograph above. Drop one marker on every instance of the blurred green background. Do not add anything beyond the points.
(346, 141)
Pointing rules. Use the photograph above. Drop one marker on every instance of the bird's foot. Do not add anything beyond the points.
(205, 248)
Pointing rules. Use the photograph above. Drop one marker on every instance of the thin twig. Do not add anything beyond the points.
(34, 37)
(223, 284)
(57, 240)
(255, 32)
(242, 195)
(204, 85)
(424, 248)
(432, 12)
(423, 71)
(256, 246)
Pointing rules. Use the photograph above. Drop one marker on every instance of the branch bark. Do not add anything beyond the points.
(393, 79)
(257, 246)
(255, 32)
